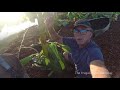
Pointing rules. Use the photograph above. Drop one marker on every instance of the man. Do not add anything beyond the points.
(85, 53)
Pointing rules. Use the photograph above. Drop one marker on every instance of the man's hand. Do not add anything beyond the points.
(68, 58)
(66, 55)
(98, 69)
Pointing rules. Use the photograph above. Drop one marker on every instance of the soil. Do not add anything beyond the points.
(109, 43)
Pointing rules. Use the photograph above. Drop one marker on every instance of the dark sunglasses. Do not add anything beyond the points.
(81, 31)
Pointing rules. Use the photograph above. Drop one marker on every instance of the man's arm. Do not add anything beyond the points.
(50, 26)
(98, 69)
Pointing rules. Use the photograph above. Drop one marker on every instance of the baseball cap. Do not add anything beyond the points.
(83, 23)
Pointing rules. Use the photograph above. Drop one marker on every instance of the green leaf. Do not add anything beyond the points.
(41, 53)
(47, 61)
(53, 47)
(45, 49)
(25, 60)
(54, 64)
(62, 64)
(65, 48)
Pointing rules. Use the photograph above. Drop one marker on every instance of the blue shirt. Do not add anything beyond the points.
(82, 57)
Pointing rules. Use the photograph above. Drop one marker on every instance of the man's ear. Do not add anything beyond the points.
(91, 35)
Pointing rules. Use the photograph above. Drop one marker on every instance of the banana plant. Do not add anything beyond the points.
(55, 58)
(51, 54)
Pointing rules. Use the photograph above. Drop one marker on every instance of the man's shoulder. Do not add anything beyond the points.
(94, 52)
(93, 45)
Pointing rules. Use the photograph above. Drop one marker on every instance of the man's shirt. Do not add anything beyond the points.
(82, 57)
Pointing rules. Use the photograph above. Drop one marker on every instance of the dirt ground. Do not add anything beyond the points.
(109, 43)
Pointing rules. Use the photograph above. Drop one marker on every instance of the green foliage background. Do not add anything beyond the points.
(65, 18)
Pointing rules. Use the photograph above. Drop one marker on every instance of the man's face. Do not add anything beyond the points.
(82, 34)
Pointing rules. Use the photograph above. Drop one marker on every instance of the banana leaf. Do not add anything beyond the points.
(25, 60)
